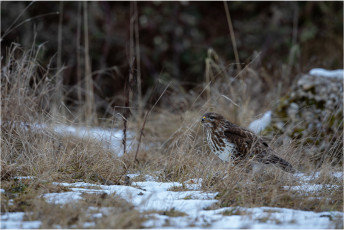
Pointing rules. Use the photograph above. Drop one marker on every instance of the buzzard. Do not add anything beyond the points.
(232, 143)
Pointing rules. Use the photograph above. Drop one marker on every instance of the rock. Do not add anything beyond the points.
(312, 115)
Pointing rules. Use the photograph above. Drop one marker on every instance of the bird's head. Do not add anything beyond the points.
(211, 120)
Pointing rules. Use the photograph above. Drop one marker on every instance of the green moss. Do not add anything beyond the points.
(271, 129)
(297, 133)
(312, 90)
(306, 101)
(18, 187)
(281, 110)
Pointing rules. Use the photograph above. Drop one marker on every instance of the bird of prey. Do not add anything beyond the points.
(232, 143)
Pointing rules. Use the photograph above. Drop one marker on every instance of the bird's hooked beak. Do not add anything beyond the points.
(203, 119)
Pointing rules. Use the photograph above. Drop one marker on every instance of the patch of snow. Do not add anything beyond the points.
(149, 178)
(259, 218)
(62, 197)
(157, 221)
(10, 202)
(338, 174)
(76, 184)
(24, 177)
(157, 197)
(268, 217)
(149, 195)
(339, 73)
(307, 187)
(99, 212)
(133, 175)
(76, 193)
(304, 177)
(12, 220)
(260, 124)
(194, 184)
(97, 215)
(89, 224)
(111, 138)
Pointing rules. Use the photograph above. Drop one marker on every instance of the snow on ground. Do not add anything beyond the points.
(307, 178)
(144, 195)
(12, 220)
(308, 187)
(155, 197)
(339, 73)
(259, 218)
(159, 196)
(260, 124)
(110, 138)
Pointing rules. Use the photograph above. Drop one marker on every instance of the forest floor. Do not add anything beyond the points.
(148, 200)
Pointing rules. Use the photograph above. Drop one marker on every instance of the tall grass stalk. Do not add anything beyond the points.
(231, 31)
(90, 113)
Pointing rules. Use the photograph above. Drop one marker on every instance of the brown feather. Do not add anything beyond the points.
(225, 138)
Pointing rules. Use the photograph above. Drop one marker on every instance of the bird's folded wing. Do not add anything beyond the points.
(246, 141)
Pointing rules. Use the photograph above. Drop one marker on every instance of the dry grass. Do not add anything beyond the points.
(268, 189)
(182, 153)
(120, 214)
(173, 150)
(28, 149)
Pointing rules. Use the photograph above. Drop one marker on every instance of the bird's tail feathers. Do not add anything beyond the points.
(281, 163)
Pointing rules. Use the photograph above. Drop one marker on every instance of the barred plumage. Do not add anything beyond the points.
(230, 142)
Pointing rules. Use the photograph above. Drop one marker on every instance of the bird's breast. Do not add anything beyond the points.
(220, 145)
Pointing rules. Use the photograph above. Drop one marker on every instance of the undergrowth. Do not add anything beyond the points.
(173, 150)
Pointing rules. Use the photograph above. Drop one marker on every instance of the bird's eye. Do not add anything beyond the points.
(212, 117)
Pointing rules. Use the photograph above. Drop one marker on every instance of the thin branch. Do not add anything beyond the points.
(89, 113)
(59, 81)
(144, 122)
(231, 31)
(78, 57)
(138, 64)
(230, 100)
(141, 133)
(9, 29)
(28, 20)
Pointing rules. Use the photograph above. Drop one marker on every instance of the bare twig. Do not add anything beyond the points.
(59, 35)
(208, 71)
(125, 116)
(89, 113)
(129, 85)
(132, 78)
(138, 64)
(231, 31)
(141, 133)
(9, 29)
(144, 122)
(230, 100)
(59, 82)
(78, 61)
(12, 27)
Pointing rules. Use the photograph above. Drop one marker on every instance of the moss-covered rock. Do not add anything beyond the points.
(312, 115)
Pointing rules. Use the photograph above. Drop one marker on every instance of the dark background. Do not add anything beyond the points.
(175, 37)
